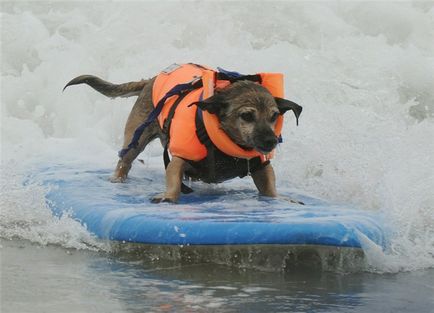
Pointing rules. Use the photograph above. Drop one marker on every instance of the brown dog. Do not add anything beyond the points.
(247, 113)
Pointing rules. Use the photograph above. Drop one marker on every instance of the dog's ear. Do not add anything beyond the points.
(285, 105)
(213, 105)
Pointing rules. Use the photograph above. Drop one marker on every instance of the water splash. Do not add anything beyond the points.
(25, 215)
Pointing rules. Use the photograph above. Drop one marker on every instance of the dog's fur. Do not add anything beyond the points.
(247, 113)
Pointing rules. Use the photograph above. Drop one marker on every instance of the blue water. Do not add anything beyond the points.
(83, 281)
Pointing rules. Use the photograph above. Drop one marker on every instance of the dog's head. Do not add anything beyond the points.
(248, 113)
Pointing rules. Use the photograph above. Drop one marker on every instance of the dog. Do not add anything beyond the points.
(245, 111)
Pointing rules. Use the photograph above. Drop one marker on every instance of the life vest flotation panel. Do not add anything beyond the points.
(183, 141)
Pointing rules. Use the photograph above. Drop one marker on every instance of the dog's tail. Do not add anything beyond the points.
(108, 89)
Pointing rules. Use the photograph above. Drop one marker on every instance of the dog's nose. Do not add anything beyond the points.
(268, 143)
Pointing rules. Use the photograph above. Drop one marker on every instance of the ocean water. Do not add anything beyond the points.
(363, 72)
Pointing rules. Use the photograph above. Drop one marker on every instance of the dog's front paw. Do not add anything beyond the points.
(291, 200)
(297, 202)
(163, 198)
(117, 179)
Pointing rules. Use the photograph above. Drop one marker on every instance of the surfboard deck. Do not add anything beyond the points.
(209, 216)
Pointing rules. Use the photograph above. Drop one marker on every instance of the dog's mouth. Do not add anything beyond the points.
(264, 150)
(260, 149)
(262, 145)
(266, 145)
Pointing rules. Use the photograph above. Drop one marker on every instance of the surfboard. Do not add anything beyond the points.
(210, 216)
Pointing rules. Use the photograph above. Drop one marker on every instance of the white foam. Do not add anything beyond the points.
(362, 71)
(25, 215)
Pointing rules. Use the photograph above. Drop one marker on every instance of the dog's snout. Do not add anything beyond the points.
(266, 143)
(270, 142)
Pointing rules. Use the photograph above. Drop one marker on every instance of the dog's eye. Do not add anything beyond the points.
(248, 116)
(274, 117)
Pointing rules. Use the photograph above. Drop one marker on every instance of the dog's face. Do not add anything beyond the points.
(248, 113)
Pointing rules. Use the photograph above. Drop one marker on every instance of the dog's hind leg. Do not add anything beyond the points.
(138, 115)
(125, 162)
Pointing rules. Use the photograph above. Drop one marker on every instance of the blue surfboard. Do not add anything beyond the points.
(209, 216)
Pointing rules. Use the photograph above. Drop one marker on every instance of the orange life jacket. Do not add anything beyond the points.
(184, 141)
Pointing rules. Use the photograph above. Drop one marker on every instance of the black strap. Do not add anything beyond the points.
(168, 121)
(201, 132)
(231, 76)
(203, 137)
(232, 79)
